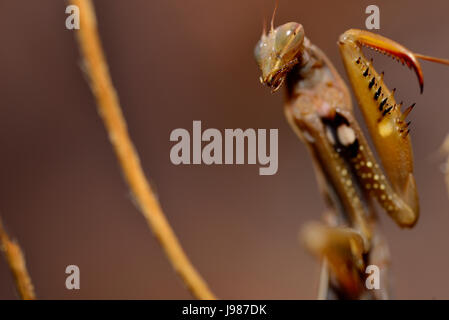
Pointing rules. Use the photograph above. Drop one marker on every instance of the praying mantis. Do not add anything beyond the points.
(318, 108)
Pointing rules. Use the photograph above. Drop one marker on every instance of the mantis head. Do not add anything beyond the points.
(278, 52)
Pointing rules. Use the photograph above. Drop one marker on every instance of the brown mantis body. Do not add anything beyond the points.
(319, 109)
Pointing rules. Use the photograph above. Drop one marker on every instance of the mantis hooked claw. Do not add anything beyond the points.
(318, 108)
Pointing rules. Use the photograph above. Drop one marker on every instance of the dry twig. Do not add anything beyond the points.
(16, 262)
(110, 111)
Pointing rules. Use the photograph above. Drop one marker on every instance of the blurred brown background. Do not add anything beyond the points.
(63, 197)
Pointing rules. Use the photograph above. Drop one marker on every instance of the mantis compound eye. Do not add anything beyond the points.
(288, 41)
(260, 51)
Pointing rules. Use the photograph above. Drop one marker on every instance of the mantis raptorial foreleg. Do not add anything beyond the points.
(385, 121)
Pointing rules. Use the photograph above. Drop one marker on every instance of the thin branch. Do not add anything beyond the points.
(110, 111)
(16, 262)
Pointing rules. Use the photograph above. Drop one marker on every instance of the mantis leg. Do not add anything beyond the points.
(385, 121)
